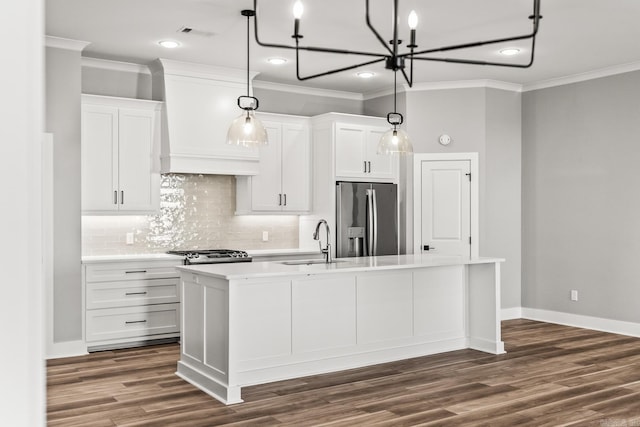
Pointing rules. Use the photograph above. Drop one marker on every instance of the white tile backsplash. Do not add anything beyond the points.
(196, 211)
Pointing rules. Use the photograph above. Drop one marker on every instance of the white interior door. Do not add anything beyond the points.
(445, 207)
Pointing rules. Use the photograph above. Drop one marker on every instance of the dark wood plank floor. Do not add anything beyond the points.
(552, 375)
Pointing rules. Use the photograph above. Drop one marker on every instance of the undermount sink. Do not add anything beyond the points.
(312, 261)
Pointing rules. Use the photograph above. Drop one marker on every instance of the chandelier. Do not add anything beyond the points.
(395, 60)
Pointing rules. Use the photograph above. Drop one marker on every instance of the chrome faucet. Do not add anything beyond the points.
(316, 236)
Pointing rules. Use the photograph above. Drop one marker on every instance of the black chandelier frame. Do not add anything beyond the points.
(394, 60)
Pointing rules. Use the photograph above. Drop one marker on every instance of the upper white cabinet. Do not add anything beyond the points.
(283, 183)
(355, 152)
(120, 155)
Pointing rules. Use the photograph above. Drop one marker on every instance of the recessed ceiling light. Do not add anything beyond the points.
(365, 74)
(510, 51)
(276, 61)
(169, 44)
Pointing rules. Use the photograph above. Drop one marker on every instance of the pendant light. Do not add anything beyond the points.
(395, 140)
(246, 130)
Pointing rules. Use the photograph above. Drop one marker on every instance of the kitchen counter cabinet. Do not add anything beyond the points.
(127, 303)
(268, 321)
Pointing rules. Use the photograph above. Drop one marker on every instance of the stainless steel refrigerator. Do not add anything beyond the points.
(366, 219)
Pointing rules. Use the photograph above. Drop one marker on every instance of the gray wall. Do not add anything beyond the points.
(99, 81)
(486, 121)
(62, 118)
(581, 209)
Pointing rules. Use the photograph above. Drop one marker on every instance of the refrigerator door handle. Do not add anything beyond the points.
(369, 222)
(372, 222)
(375, 223)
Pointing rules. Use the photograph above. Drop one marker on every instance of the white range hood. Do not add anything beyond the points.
(200, 104)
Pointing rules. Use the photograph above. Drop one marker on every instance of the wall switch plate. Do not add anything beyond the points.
(265, 236)
(129, 238)
(574, 295)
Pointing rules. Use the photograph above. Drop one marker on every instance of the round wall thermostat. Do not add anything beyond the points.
(444, 139)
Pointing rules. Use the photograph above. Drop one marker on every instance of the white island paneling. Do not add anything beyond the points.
(252, 323)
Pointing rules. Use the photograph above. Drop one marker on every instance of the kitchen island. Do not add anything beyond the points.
(252, 323)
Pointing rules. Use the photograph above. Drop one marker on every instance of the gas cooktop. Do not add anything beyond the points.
(212, 256)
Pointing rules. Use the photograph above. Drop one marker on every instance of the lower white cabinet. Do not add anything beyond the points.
(128, 303)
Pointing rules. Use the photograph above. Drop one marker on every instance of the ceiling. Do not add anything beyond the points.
(576, 36)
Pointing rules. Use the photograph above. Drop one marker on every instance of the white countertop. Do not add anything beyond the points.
(132, 257)
(279, 268)
(276, 252)
(88, 259)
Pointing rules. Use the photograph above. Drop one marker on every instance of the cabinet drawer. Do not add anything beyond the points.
(129, 322)
(132, 292)
(130, 271)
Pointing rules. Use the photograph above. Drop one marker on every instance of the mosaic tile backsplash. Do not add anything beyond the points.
(196, 212)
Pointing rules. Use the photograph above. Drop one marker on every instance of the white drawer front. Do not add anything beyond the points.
(131, 292)
(130, 271)
(129, 322)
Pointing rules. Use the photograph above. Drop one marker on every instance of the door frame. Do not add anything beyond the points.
(417, 196)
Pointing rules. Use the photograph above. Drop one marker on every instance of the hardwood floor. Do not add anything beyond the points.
(552, 375)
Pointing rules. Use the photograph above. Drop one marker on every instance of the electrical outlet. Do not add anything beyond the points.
(574, 295)
(265, 236)
(129, 238)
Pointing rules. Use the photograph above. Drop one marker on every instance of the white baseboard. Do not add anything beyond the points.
(511, 313)
(588, 322)
(58, 350)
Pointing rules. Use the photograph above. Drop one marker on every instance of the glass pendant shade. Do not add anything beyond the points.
(247, 131)
(395, 141)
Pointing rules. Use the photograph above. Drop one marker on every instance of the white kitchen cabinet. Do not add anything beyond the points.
(283, 183)
(128, 303)
(356, 156)
(120, 155)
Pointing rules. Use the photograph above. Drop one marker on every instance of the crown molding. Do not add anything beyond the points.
(465, 84)
(581, 77)
(454, 84)
(190, 69)
(383, 92)
(301, 90)
(106, 64)
(62, 43)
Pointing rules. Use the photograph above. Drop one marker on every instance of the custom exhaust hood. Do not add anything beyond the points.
(200, 104)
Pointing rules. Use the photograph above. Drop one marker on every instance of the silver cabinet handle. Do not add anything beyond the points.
(280, 199)
(285, 200)
(129, 322)
(369, 166)
(115, 197)
(135, 293)
(365, 166)
(135, 271)
(122, 197)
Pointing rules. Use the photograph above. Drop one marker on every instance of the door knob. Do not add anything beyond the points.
(428, 248)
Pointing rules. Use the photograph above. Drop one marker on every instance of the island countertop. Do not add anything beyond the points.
(251, 270)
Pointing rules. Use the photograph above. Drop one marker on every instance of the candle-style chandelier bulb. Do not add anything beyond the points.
(413, 20)
(298, 9)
